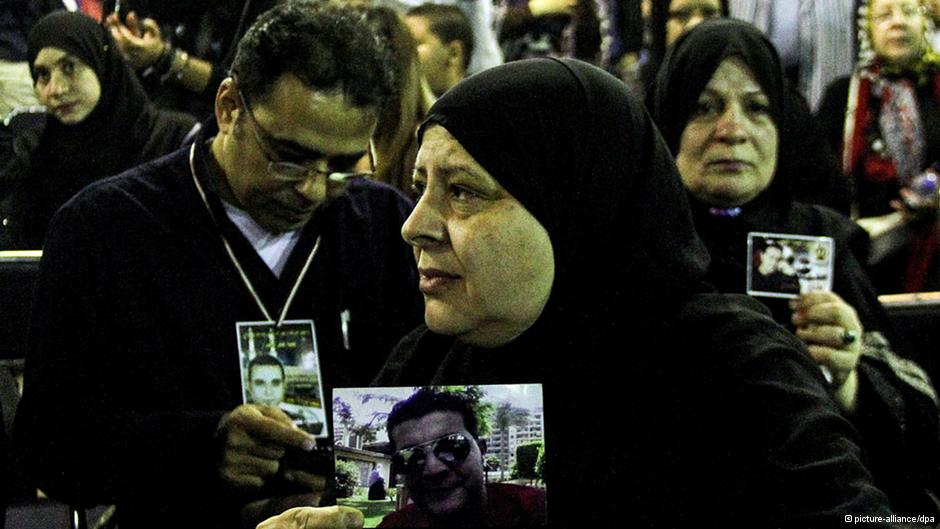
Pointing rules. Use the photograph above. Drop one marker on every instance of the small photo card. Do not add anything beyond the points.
(280, 367)
(782, 265)
(501, 445)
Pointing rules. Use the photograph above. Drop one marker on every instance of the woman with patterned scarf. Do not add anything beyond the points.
(884, 121)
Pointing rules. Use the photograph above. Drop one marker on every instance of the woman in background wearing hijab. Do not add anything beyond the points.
(555, 246)
(884, 120)
(100, 122)
(718, 101)
(814, 173)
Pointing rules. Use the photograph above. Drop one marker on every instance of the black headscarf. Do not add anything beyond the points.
(700, 386)
(123, 130)
(696, 384)
(684, 74)
(581, 154)
(690, 65)
(691, 62)
(80, 36)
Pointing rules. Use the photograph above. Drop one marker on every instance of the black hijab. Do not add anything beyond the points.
(581, 154)
(695, 384)
(691, 62)
(122, 96)
(684, 74)
(123, 130)
(690, 65)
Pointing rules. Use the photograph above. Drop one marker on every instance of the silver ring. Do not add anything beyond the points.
(849, 337)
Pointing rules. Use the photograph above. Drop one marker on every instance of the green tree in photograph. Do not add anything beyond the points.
(527, 456)
(481, 408)
(347, 477)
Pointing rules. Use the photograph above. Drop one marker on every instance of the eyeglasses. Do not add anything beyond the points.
(289, 171)
(907, 11)
(451, 449)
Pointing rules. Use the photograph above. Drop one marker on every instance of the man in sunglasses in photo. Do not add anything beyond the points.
(151, 280)
(434, 435)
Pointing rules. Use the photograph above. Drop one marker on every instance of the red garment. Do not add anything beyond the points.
(506, 506)
(92, 8)
(876, 168)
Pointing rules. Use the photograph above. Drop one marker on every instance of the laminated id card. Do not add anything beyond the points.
(280, 367)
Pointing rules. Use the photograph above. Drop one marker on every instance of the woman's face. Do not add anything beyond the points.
(686, 14)
(728, 150)
(897, 30)
(68, 87)
(486, 264)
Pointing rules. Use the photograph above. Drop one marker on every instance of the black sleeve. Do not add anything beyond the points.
(775, 424)
(897, 417)
(82, 444)
(812, 168)
(831, 113)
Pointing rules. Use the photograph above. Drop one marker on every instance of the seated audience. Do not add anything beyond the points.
(100, 123)
(555, 245)
(434, 435)
(718, 102)
(885, 122)
(133, 378)
(445, 43)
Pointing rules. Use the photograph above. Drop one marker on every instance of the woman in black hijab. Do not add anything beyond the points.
(555, 246)
(84, 138)
(719, 102)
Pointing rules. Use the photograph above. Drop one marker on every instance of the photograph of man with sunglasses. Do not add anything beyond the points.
(437, 450)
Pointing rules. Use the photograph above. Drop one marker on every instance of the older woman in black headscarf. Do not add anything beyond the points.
(718, 101)
(555, 246)
(100, 122)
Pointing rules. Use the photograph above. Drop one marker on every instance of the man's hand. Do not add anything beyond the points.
(833, 334)
(256, 437)
(140, 42)
(336, 517)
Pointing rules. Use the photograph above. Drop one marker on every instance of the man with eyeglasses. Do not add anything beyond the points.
(436, 448)
(149, 280)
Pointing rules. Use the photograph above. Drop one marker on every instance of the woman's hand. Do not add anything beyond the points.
(336, 517)
(917, 206)
(140, 42)
(833, 334)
